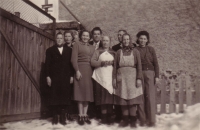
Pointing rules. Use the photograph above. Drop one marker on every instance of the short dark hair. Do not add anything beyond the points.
(69, 31)
(122, 31)
(59, 33)
(126, 34)
(143, 33)
(81, 33)
(96, 29)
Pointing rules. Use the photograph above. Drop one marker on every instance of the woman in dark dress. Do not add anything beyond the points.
(102, 61)
(83, 88)
(128, 81)
(69, 41)
(59, 74)
(150, 70)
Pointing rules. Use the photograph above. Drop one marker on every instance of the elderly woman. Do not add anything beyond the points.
(102, 61)
(59, 74)
(83, 88)
(128, 81)
(150, 71)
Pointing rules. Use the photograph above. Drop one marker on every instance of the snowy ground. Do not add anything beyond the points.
(190, 120)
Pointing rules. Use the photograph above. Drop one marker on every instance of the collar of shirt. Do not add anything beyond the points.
(60, 49)
(96, 44)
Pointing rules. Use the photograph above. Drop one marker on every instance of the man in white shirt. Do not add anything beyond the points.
(96, 36)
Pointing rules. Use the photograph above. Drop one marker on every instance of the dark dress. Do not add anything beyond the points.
(102, 96)
(59, 69)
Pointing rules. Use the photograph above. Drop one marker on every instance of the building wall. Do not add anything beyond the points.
(174, 26)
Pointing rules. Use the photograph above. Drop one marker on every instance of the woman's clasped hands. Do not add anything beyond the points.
(106, 63)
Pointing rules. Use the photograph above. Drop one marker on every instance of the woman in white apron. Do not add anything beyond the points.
(102, 60)
(127, 81)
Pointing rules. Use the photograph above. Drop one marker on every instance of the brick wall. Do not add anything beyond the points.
(174, 26)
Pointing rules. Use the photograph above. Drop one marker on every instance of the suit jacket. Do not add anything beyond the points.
(100, 44)
(117, 47)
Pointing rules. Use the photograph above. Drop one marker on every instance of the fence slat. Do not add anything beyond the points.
(197, 90)
(172, 103)
(10, 66)
(181, 93)
(163, 96)
(16, 66)
(188, 91)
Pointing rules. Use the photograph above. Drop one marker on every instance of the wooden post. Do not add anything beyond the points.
(163, 96)
(172, 104)
(197, 90)
(188, 91)
(181, 84)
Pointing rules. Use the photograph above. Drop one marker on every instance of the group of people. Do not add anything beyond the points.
(119, 80)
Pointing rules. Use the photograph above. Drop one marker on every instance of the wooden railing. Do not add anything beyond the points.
(180, 92)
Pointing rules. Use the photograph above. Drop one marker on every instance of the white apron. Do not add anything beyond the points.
(126, 78)
(103, 75)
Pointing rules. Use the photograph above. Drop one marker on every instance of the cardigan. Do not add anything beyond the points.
(95, 58)
(149, 59)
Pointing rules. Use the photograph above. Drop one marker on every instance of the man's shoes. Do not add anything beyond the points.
(63, 117)
(55, 120)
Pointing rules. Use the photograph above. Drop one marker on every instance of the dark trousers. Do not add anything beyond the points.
(118, 111)
(141, 113)
(149, 97)
(94, 111)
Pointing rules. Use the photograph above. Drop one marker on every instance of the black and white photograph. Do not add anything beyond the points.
(99, 64)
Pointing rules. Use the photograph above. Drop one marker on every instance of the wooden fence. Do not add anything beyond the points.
(22, 53)
(181, 92)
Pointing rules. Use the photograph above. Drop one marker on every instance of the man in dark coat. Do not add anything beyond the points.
(59, 74)
(119, 45)
(95, 111)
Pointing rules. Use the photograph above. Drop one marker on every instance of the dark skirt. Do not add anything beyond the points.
(102, 96)
(83, 89)
(120, 101)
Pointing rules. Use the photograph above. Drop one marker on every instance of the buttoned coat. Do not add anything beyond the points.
(59, 69)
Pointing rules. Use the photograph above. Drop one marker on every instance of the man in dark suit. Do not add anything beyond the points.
(96, 37)
(59, 75)
(94, 110)
(119, 45)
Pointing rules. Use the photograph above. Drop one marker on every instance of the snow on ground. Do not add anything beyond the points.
(190, 120)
